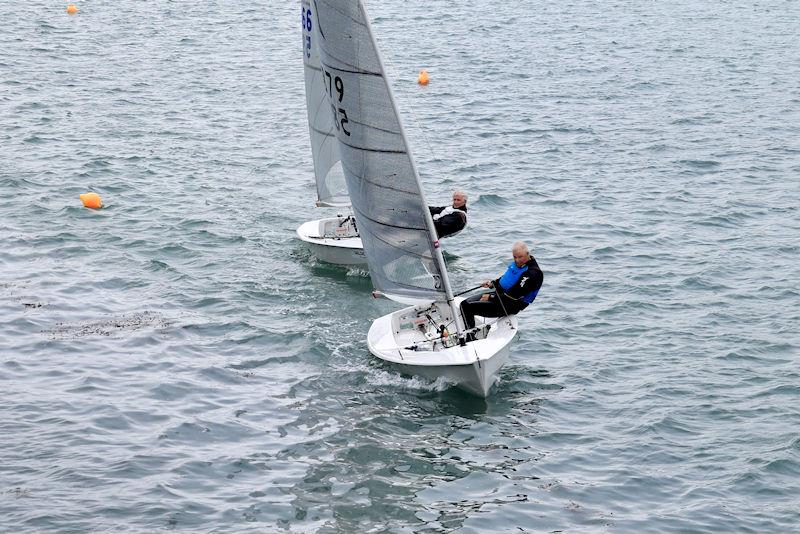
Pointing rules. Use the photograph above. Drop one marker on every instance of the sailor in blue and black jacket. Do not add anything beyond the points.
(513, 291)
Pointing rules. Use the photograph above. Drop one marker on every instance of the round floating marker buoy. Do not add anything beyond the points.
(92, 200)
(72, 9)
(422, 79)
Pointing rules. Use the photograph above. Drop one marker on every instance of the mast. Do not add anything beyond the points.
(426, 212)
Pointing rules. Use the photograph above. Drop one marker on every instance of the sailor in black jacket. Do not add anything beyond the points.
(449, 220)
(513, 291)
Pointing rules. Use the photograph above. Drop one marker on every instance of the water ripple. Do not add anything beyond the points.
(178, 360)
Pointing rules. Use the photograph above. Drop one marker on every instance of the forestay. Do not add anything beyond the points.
(331, 187)
(393, 218)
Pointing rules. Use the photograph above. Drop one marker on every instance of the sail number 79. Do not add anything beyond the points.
(339, 113)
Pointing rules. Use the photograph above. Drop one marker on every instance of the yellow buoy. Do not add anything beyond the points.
(422, 79)
(72, 9)
(91, 200)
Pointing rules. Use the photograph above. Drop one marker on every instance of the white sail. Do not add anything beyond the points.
(395, 225)
(331, 188)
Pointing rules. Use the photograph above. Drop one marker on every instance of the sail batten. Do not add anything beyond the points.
(396, 226)
(393, 219)
(376, 150)
(352, 70)
(323, 133)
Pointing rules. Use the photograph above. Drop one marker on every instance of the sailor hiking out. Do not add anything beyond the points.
(513, 291)
(449, 220)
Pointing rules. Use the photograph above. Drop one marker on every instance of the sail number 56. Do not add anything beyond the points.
(307, 28)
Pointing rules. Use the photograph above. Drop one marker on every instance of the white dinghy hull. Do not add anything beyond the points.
(409, 341)
(332, 242)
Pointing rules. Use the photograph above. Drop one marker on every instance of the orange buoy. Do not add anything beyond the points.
(422, 79)
(92, 200)
(72, 9)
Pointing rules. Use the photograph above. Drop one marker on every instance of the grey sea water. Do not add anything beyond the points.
(177, 361)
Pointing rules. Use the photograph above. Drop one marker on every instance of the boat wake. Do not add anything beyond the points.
(383, 378)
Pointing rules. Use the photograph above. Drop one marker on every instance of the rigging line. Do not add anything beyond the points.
(500, 298)
(418, 124)
(414, 117)
(468, 290)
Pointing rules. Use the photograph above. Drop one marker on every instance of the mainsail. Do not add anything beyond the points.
(395, 225)
(331, 188)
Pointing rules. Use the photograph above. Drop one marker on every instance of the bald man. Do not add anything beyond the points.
(513, 291)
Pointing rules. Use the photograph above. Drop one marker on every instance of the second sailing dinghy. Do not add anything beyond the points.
(332, 239)
(396, 228)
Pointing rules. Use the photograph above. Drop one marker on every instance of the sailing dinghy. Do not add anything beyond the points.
(397, 231)
(331, 239)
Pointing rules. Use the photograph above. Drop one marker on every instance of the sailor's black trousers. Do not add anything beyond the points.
(494, 307)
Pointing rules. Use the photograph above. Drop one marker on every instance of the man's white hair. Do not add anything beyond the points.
(460, 192)
(519, 246)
